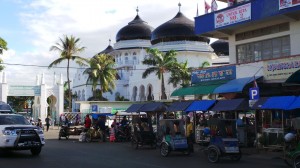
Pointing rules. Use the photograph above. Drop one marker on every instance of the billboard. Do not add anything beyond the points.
(234, 15)
(288, 3)
(214, 74)
(281, 68)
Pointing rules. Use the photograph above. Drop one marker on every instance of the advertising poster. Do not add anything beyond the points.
(281, 68)
(231, 16)
(288, 3)
(214, 74)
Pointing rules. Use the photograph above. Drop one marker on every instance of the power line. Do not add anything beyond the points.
(44, 66)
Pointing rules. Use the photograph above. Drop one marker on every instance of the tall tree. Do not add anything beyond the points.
(180, 74)
(102, 72)
(68, 48)
(159, 63)
(3, 46)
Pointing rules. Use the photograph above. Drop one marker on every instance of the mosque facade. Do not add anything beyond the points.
(130, 50)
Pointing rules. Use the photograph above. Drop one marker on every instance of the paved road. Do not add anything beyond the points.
(73, 154)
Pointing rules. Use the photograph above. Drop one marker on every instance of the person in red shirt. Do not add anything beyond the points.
(87, 122)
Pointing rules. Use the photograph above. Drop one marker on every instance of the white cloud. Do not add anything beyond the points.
(93, 21)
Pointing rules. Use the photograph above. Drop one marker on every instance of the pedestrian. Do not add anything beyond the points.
(62, 119)
(47, 120)
(190, 134)
(39, 123)
(101, 125)
(87, 122)
(112, 137)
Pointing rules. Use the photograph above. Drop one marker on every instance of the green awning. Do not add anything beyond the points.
(208, 88)
(115, 110)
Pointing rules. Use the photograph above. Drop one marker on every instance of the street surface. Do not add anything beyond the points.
(74, 154)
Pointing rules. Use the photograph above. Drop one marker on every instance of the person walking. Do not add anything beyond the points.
(87, 122)
(47, 120)
(39, 123)
(101, 125)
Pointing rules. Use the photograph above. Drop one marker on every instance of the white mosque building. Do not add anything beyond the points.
(130, 50)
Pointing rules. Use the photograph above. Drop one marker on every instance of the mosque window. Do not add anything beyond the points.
(126, 54)
(79, 95)
(263, 50)
(83, 94)
(134, 53)
(126, 59)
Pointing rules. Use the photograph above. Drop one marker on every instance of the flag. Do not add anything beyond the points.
(207, 7)
(254, 83)
(197, 14)
(214, 5)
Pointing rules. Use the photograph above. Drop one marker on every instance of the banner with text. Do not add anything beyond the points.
(281, 68)
(231, 16)
(214, 74)
(288, 3)
(24, 90)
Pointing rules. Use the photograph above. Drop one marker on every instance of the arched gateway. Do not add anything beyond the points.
(41, 92)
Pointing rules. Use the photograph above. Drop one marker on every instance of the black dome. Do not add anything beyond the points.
(107, 50)
(177, 29)
(220, 47)
(136, 29)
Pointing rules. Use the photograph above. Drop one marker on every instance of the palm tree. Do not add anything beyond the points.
(3, 46)
(204, 64)
(68, 48)
(180, 74)
(159, 63)
(101, 72)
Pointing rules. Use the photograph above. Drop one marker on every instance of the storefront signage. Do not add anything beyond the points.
(214, 74)
(254, 93)
(288, 3)
(281, 68)
(231, 16)
(94, 108)
(24, 90)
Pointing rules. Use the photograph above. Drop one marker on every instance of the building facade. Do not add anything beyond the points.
(130, 50)
(263, 37)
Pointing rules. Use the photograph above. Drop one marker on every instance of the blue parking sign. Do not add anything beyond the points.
(254, 93)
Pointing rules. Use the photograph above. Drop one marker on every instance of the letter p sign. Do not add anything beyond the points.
(254, 93)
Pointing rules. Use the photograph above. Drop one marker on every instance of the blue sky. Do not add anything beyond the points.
(31, 27)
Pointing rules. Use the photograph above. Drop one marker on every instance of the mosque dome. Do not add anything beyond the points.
(177, 29)
(107, 50)
(136, 29)
(220, 47)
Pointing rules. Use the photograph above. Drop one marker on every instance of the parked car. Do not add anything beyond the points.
(16, 133)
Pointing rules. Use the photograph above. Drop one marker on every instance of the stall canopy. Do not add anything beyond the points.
(295, 104)
(257, 105)
(201, 89)
(134, 108)
(200, 105)
(179, 106)
(5, 107)
(235, 85)
(294, 78)
(154, 107)
(95, 116)
(231, 105)
(279, 102)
